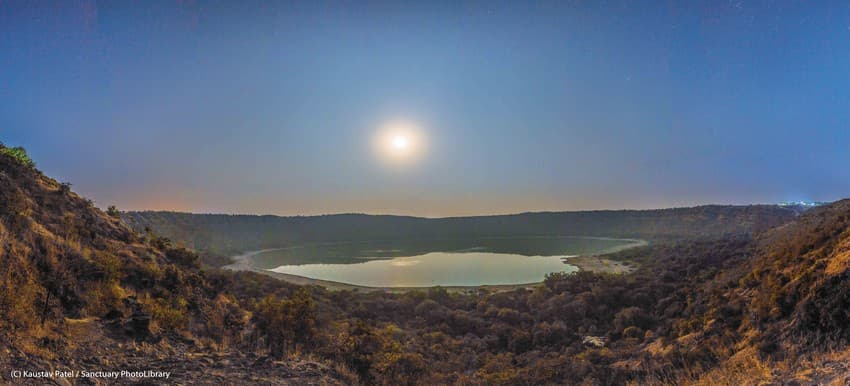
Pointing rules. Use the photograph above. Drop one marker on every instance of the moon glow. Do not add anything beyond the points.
(400, 143)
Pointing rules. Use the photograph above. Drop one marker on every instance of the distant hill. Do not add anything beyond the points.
(231, 234)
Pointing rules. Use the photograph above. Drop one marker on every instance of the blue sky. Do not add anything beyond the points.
(257, 107)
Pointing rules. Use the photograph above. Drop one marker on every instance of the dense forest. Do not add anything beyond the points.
(227, 235)
(80, 289)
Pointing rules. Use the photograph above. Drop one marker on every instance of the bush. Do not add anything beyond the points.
(632, 316)
(18, 306)
(16, 209)
(19, 154)
(113, 212)
(633, 332)
(169, 316)
(285, 322)
(183, 257)
(160, 242)
(104, 298)
(223, 320)
(65, 188)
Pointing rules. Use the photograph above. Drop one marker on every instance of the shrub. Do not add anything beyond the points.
(113, 212)
(632, 316)
(19, 154)
(169, 316)
(633, 332)
(160, 242)
(400, 368)
(104, 298)
(65, 188)
(223, 320)
(15, 209)
(183, 257)
(18, 306)
(285, 322)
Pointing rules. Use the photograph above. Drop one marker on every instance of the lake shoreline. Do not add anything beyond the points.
(593, 263)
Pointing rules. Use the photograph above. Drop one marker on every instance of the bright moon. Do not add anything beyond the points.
(399, 143)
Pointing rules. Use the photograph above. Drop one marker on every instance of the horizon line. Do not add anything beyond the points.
(778, 204)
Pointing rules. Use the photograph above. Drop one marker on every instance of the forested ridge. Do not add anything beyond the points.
(231, 234)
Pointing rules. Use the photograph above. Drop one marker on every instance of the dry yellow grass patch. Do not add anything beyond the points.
(743, 368)
(840, 260)
(658, 348)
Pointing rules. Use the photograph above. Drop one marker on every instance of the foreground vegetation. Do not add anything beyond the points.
(78, 288)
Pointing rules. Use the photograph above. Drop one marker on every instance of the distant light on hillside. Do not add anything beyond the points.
(802, 203)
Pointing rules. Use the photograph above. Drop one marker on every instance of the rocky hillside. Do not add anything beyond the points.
(81, 291)
(780, 314)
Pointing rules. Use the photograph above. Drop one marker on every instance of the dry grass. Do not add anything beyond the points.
(743, 368)
(746, 368)
(840, 261)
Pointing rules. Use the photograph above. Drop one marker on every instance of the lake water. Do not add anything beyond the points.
(423, 263)
(436, 268)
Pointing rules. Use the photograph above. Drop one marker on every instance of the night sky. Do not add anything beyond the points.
(244, 107)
